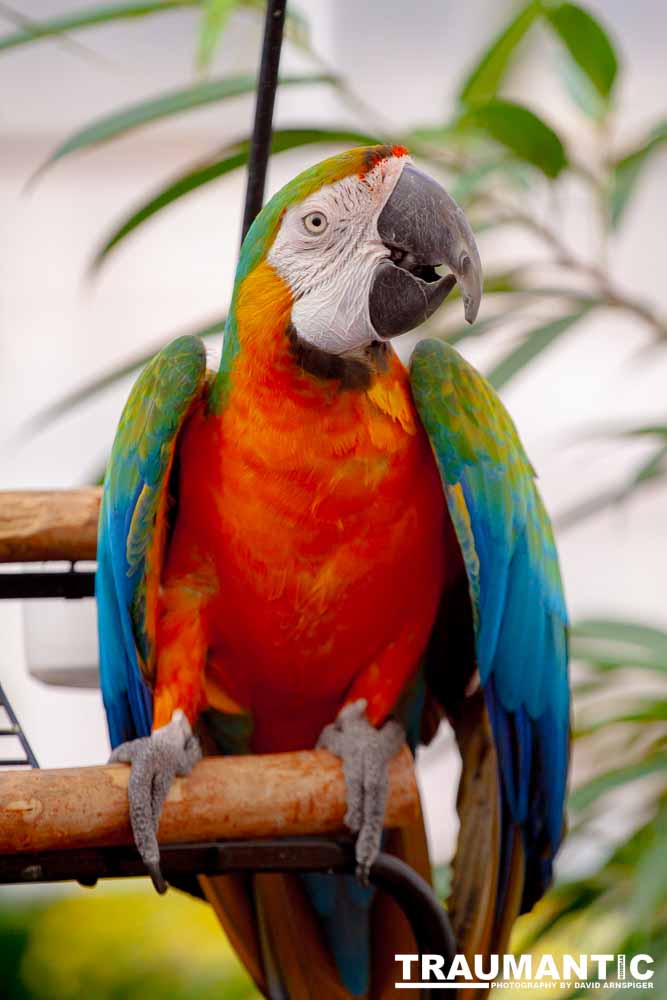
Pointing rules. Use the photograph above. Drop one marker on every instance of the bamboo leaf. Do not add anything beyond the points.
(588, 794)
(484, 80)
(643, 430)
(566, 901)
(215, 16)
(462, 332)
(519, 129)
(581, 90)
(647, 711)
(650, 891)
(654, 468)
(587, 42)
(84, 393)
(228, 160)
(608, 644)
(532, 345)
(627, 170)
(468, 184)
(165, 106)
(88, 17)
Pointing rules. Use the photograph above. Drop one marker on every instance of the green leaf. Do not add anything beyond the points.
(647, 711)
(609, 644)
(650, 891)
(654, 468)
(642, 430)
(565, 901)
(505, 168)
(442, 881)
(88, 18)
(626, 171)
(64, 404)
(174, 103)
(484, 80)
(230, 159)
(534, 342)
(505, 282)
(587, 42)
(588, 794)
(456, 334)
(520, 130)
(215, 16)
(581, 90)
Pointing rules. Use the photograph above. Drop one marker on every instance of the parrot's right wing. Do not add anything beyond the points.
(134, 529)
(514, 733)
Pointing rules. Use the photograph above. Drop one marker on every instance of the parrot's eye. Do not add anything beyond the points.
(315, 223)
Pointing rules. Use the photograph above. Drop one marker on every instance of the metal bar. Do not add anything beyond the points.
(27, 586)
(260, 146)
(27, 749)
(428, 919)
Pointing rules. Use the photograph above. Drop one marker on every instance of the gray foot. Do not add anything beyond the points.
(156, 760)
(365, 753)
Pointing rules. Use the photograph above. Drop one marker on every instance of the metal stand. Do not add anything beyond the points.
(427, 918)
(14, 729)
(260, 146)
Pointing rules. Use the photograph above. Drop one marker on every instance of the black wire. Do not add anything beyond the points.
(260, 146)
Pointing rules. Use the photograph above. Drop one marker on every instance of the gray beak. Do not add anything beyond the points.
(423, 228)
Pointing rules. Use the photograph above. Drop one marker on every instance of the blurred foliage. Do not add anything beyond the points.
(504, 160)
(508, 165)
(117, 944)
(619, 904)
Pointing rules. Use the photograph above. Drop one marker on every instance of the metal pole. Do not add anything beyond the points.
(425, 914)
(260, 146)
(15, 730)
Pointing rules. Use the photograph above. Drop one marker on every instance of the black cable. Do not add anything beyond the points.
(260, 146)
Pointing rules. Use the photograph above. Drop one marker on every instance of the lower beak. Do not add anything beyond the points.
(423, 228)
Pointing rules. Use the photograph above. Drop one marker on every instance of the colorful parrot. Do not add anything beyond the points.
(315, 547)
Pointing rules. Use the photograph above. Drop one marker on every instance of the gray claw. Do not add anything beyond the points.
(365, 753)
(156, 760)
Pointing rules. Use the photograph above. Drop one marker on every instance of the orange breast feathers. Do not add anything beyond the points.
(308, 556)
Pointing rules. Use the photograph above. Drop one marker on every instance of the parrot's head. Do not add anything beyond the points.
(368, 247)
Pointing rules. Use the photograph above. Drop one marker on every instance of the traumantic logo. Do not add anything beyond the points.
(591, 972)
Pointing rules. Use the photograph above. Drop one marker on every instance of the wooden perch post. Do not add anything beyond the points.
(273, 795)
(36, 526)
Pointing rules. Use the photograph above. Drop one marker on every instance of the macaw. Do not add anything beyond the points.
(317, 547)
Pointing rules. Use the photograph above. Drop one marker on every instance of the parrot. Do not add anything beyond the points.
(317, 546)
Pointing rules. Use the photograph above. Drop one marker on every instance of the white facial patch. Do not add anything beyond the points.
(327, 249)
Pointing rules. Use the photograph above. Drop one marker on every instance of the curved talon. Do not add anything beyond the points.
(365, 753)
(156, 760)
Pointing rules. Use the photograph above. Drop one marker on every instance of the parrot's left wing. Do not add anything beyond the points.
(515, 731)
(134, 528)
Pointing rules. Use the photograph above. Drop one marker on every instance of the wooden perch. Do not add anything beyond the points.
(36, 526)
(273, 795)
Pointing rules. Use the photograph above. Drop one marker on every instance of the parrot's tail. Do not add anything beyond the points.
(489, 868)
(276, 932)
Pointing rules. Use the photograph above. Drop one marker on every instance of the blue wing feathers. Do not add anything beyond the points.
(136, 478)
(515, 587)
(126, 696)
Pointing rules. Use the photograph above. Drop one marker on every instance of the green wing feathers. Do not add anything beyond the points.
(133, 529)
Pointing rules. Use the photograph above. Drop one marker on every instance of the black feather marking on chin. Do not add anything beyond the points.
(353, 372)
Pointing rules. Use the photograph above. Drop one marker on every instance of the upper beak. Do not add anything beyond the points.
(423, 228)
